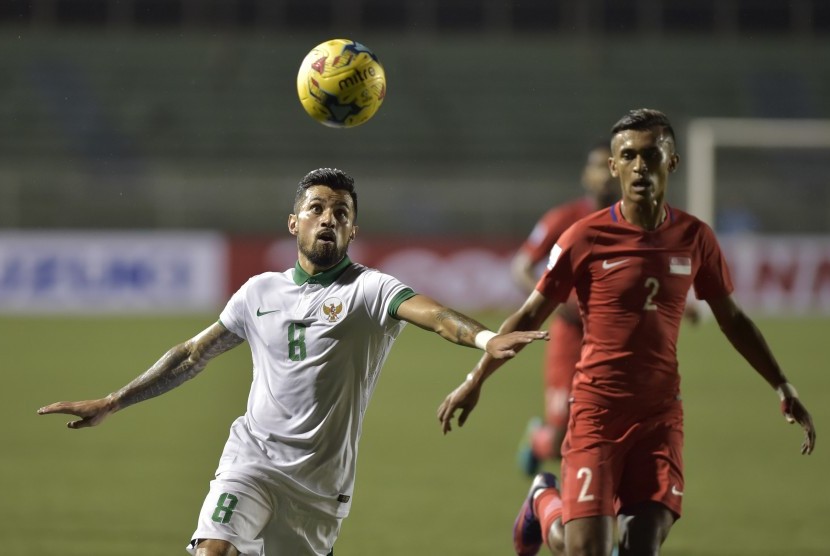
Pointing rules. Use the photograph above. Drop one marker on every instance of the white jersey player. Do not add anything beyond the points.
(319, 334)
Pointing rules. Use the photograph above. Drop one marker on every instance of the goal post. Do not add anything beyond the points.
(706, 135)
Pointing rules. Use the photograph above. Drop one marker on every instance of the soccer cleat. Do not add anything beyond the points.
(527, 532)
(525, 458)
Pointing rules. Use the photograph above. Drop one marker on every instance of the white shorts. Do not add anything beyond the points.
(261, 519)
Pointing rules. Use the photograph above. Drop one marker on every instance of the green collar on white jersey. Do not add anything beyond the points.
(325, 278)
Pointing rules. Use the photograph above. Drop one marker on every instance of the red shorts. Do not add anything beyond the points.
(614, 458)
(561, 356)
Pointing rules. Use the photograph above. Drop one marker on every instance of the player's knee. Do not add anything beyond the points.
(556, 538)
(639, 547)
(593, 536)
(215, 547)
(589, 548)
(643, 531)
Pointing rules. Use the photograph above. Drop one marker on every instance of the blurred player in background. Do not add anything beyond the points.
(319, 334)
(632, 266)
(543, 438)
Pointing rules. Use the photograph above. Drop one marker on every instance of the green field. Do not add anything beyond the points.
(134, 485)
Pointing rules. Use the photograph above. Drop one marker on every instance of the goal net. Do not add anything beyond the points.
(764, 186)
(758, 169)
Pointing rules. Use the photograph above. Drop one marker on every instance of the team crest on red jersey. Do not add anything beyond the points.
(332, 309)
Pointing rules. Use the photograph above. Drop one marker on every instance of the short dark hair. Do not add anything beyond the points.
(330, 177)
(642, 119)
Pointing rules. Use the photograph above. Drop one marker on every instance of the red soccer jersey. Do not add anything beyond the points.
(631, 285)
(553, 224)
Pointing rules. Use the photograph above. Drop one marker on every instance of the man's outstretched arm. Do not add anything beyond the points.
(750, 343)
(179, 364)
(458, 328)
(531, 316)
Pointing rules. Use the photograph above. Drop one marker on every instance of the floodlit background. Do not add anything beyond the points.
(149, 151)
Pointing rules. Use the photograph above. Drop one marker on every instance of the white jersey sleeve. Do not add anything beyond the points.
(233, 315)
(383, 294)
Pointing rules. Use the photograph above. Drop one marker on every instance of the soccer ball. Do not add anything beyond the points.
(341, 83)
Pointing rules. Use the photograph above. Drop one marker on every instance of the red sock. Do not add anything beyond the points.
(542, 442)
(548, 508)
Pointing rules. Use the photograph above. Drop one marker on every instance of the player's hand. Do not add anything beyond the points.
(91, 412)
(506, 346)
(795, 412)
(465, 398)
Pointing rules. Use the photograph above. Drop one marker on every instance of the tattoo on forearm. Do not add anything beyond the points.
(465, 327)
(178, 365)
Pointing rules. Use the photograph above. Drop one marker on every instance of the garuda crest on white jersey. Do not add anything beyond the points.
(332, 309)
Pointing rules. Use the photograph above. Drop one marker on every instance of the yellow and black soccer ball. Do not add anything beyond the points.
(341, 83)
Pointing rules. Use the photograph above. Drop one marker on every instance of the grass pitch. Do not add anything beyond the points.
(135, 484)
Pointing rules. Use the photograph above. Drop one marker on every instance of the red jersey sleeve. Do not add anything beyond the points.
(713, 279)
(551, 226)
(558, 280)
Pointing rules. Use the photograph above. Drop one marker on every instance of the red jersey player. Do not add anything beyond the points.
(543, 439)
(631, 265)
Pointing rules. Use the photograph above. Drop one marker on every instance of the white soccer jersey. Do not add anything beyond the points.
(318, 344)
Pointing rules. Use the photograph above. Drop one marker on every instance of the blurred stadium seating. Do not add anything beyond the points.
(731, 17)
(183, 114)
